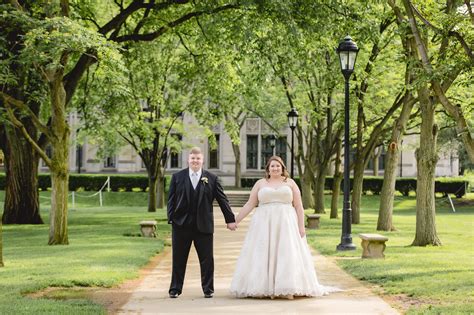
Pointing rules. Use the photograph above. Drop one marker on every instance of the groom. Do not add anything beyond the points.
(192, 192)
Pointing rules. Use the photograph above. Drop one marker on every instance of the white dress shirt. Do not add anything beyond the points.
(195, 176)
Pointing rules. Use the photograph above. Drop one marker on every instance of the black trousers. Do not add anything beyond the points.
(182, 237)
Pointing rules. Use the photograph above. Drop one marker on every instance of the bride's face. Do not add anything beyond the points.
(275, 168)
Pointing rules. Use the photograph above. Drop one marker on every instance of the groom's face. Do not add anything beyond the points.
(195, 161)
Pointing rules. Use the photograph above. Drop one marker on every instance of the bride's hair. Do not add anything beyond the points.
(284, 172)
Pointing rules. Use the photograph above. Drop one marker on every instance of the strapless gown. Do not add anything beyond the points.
(274, 259)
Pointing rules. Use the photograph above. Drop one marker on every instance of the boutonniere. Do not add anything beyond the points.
(204, 180)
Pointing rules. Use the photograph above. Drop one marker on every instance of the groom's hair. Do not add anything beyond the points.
(195, 150)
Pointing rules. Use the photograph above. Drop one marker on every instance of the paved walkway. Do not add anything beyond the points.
(151, 296)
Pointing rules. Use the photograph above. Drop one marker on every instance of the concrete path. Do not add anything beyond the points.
(151, 296)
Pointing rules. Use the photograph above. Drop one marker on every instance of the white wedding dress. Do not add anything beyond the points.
(275, 260)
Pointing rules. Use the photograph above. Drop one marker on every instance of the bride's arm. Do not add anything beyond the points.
(298, 204)
(250, 204)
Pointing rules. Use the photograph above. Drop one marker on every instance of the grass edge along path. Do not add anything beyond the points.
(416, 280)
(104, 251)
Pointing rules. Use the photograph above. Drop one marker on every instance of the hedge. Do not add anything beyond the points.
(373, 184)
(94, 182)
(133, 182)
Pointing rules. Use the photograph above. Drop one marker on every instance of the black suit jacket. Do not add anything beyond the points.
(179, 199)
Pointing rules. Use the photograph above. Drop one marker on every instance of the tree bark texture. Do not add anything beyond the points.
(426, 154)
(319, 190)
(376, 161)
(1, 245)
(384, 221)
(21, 170)
(306, 188)
(337, 179)
(357, 187)
(152, 192)
(58, 232)
(238, 170)
(160, 188)
(426, 159)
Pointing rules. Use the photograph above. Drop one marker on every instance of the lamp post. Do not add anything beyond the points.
(292, 122)
(273, 140)
(347, 51)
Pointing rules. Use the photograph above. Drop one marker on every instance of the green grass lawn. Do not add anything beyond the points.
(439, 279)
(104, 251)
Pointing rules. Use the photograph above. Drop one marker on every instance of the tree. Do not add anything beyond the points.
(454, 31)
(337, 179)
(62, 58)
(384, 221)
(143, 105)
(21, 160)
(441, 63)
(371, 128)
(1, 245)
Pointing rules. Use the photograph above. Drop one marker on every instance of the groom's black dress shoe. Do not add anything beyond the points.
(208, 295)
(174, 294)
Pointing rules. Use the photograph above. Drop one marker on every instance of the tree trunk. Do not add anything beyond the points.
(1, 245)
(426, 155)
(58, 234)
(384, 221)
(357, 187)
(426, 159)
(306, 189)
(319, 190)
(152, 192)
(21, 191)
(337, 179)
(376, 161)
(161, 190)
(238, 169)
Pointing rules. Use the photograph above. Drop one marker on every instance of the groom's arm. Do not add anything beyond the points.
(223, 202)
(171, 199)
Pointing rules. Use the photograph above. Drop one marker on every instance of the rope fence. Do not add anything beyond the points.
(74, 194)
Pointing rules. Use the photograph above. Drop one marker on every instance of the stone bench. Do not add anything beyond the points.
(148, 228)
(373, 245)
(312, 221)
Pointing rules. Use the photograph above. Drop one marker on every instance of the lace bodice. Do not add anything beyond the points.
(281, 194)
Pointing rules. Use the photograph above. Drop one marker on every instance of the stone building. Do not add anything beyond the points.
(254, 147)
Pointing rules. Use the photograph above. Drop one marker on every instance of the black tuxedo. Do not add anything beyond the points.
(190, 211)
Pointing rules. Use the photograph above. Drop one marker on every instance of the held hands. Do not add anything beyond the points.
(232, 226)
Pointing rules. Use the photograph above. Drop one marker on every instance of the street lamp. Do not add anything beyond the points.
(273, 141)
(347, 51)
(292, 122)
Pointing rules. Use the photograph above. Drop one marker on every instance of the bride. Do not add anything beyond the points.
(275, 260)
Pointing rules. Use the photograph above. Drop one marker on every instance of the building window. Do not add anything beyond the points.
(214, 155)
(281, 148)
(266, 151)
(79, 158)
(175, 155)
(252, 152)
(175, 160)
(109, 162)
(382, 158)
